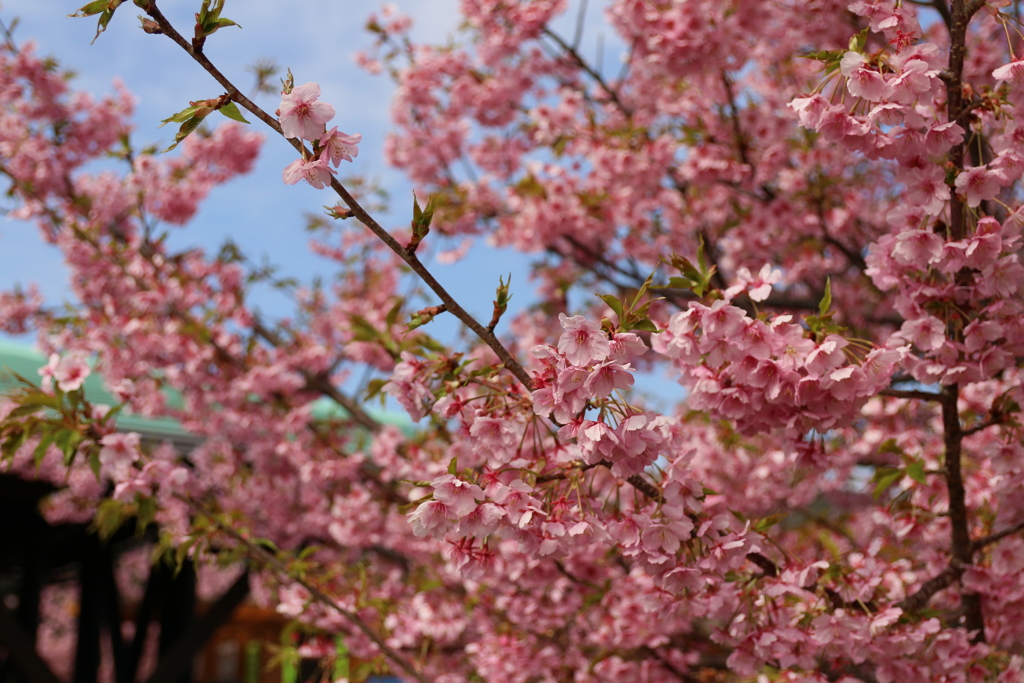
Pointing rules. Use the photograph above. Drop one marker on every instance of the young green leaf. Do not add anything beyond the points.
(826, 300)
(231, 111)
(613, 304)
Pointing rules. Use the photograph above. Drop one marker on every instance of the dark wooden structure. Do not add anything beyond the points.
(34, 553)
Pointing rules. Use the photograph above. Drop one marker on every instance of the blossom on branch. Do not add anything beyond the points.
(302, 114)
(337, 145)
(316, 172)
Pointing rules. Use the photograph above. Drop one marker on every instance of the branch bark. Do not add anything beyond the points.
(281, 570)
(407, 255)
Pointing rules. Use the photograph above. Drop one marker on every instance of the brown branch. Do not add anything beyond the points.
(322, 385)
(767, 566)
(958, 110)
(979, 543)
(915, 602)
(910, 394)
(669, 666)
(590, 71)
(357, 210)
(636, 481)
(961, 547)
(996, 418)
(281, 570)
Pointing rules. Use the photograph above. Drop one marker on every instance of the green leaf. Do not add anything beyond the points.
(422, 217)
(915, 470)
(641, 312)
(101, 24)
(613, 304)
(890, 446)
(417, 212)
(146, 515)
(38, 398)
(15, 440)
(111, 415)
(886, 477)
(502, 296)
(453, 465)
(44, 444)
(375, 387)
(645, 325)
(22, 411)
(183, 115)
(185, 130)
(858, 41)
(109, 517)
(826, 300)
(92, 8)
(231, 111)
(67, 441)
(94, 462)
(680, 283)
(392, 317)
(643, 290)
(766, 523)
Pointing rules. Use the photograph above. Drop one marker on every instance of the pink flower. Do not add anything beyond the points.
(917, 248)
(583, 341)
(117, 454)
(337, 146)
(978, 183)
(723, 321)
(1012, 72)
(302, 115)
(481, 521)
(810, 109)
(431, 518)
(606, 377)
(316, 172)
(69, 372)
(759, 286)
(460, 496)
(863, 82)
(626, 346)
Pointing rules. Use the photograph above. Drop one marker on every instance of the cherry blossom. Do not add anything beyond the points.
(316, 172)
(302, 114)
(338, 145)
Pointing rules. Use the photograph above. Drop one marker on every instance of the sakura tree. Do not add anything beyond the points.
(807, 213)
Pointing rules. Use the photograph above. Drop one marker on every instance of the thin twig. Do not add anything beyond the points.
(275, 565)
(911, 394)
(357, 210)
(913, 603)
(979, 543)
(322, 385)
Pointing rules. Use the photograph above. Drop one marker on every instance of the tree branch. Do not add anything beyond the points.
(979, 543)
(910, 394)
(961, 547)
(281, 570)
(919, 599)
(357, 210)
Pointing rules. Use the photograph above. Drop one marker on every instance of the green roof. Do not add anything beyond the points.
(25, 361)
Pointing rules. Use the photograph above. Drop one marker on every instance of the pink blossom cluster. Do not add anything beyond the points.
(589, 370)
(770, 375)
(303, 115)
